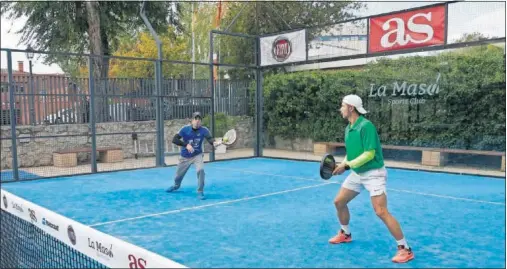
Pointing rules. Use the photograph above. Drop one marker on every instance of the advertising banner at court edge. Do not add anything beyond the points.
(106, 249)
(411, 29)
(283, 48)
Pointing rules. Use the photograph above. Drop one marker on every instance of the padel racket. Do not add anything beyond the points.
(327, 166)
(229, 138)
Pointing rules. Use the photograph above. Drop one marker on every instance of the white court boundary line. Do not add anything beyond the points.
(448, 197)
(268, 174)
(390, 189)
(209, 205)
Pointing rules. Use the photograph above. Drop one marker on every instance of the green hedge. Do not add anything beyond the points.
(463, 92)
(223, 123)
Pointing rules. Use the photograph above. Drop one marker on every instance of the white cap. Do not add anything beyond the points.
(356, 102)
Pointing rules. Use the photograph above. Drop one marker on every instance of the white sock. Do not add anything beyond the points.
(345, 229)
(403, 242)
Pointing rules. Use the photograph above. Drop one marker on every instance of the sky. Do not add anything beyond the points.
(8, 39)
(487, 18)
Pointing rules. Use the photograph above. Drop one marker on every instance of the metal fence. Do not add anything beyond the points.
(57, 125)
(124, 102)
(59, 99)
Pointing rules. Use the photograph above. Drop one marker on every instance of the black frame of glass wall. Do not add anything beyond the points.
(369, 54)
(157, 92)
(258, 148)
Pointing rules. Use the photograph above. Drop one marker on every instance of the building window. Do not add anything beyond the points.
(4, 87)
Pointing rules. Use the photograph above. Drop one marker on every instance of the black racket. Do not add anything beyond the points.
(327, 166)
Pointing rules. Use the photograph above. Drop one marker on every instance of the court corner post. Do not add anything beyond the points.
(160, 154)
(212, 93)
(258, 101)
(92, 126)
(12, 118)
(159, 110)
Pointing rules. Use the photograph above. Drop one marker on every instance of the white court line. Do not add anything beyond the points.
(286, 191)
(390, 189)
(208, 205)
(275, 175)
(448, 197)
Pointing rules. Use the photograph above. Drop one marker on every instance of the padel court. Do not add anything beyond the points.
(264, 212)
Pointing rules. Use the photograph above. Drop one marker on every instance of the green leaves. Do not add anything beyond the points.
(468, 111)
(268, 17)
(223, 123)
(64, 26)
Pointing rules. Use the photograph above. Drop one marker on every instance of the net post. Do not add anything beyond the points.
(212, 88)
(12, 116)
(91, 85)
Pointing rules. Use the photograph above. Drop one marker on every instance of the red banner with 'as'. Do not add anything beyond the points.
(411, 29)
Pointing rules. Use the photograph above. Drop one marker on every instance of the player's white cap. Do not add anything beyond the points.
(356, 102)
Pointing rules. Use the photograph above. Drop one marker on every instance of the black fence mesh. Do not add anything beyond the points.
(24, 245)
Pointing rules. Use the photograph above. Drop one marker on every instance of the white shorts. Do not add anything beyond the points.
(374, 181)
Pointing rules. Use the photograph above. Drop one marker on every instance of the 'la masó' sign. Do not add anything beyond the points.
(411, 29)
(400, 93)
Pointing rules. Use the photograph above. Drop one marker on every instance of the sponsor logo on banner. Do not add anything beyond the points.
(282, 48)
(411, 29)
(103, 250)
(136, 263)
(71, 234)
(33, 218)
(49, 224)
(17, 207)
(414, 91)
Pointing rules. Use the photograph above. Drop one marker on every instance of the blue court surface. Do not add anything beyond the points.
(9, 175)
(278, 213)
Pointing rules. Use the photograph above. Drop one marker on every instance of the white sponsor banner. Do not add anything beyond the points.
(106, 249)
(283, 48)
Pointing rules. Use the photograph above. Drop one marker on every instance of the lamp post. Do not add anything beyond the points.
(29, 56)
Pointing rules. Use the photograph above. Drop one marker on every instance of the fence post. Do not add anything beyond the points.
(12, 112)
(258, 104)
(91, 85)
(32, 97)
(229, 108)
(159, 119)
(212, 88)
(159, 114)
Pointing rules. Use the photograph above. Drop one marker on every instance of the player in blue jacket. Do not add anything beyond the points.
(193, 136)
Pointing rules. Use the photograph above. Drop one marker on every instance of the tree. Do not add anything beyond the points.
(90, 26)
(469, 37)
(201, 23)
(258, 18)
(271, 17)
(476, 36)
(82, 27)
(144, 46)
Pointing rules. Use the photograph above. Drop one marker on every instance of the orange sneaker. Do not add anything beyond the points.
(403, 255)
(341, 237)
